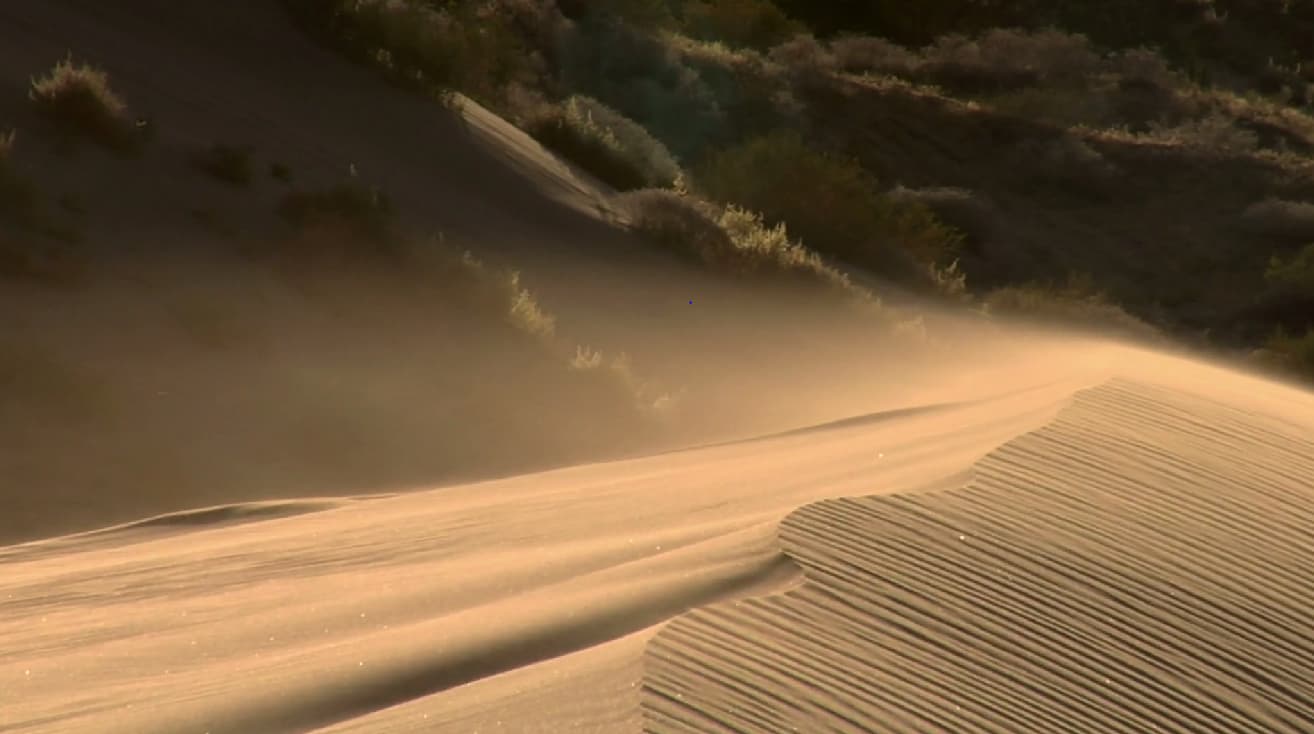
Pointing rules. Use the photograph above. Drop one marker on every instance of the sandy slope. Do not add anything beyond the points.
(1127, 517)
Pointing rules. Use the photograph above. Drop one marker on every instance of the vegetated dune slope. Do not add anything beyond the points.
(1109, 543)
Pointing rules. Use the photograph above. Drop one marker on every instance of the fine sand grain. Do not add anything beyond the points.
(1122, 550)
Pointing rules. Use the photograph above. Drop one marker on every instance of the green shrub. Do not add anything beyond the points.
(832, 204)
(1004, 58)
(728, 239)
(605, 143)
(752, 23)
(478, 48)
(78, 98)
(226, 163)
(644, 79)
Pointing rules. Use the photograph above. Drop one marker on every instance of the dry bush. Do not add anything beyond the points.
(728, 239)
(643, 77)
(805, 56)
(959, 208)
(1065, 163)
(1005, 58)
(858, 54)
(1216, 133)
(834, 205)
(1280, 220)
(78, 98)
(617, 150)
(227, 164)
(477, 48)
(745, 23)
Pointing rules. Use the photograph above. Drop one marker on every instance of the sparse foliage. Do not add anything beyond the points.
(78, 98)
(617, 150)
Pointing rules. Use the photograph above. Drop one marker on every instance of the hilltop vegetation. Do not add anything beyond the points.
(961, 148)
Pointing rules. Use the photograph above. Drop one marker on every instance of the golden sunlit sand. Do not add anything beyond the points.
(1120, 549)
(229, 508)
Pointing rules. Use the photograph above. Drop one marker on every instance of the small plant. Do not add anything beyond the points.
(729, 239)
(756, 24)
(227, 164)
(617, 150)
(78, 98)
(833, 204)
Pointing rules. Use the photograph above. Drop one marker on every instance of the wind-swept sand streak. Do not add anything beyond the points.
(1143, 563)
(371, 615)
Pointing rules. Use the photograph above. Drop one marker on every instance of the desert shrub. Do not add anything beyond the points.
(226, 163)
(859, 54)
(605, 143)
(1144, 67)
(644, 79)
(1215, 133)
(1074, 305)
(475, 48)
(1005, 58)
(683, 224)
(348, 211)
(754, 98)
(805, 56)
(959, 208)
(1065, 163)
(1280, 219)
(1061, 106)
(833, 204)
(752, 23)
(728, 239)
(79, 100)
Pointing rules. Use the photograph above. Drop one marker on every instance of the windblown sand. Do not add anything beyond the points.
(1124, 546)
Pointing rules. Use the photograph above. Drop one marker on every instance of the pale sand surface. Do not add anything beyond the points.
(1125, 545)
(1069, 537)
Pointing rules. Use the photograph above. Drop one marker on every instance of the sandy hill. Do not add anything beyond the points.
(268, 472)
(185, 324)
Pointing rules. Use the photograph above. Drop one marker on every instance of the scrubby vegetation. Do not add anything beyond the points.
(80, 101)
(617, 150)
(729, 239)
(834, 205)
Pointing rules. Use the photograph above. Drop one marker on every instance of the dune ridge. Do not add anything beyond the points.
(1140, 563)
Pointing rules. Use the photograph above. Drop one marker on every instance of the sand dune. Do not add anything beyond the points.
(1142, 563)
(1049, 535)
(1119, 550)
